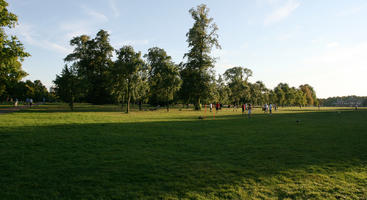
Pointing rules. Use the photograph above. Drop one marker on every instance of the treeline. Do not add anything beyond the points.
(22, 90)
(90, 74)
(349, 101)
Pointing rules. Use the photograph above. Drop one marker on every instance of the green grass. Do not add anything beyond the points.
(98, 152)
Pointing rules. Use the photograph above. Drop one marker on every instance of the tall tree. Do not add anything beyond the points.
(237, 78)
(67, 85)
(310, 94)
(223, 91)
(279, 95)
(126, 74)
(164, 76)
(11, 51)
(93, 60)
(201, 38)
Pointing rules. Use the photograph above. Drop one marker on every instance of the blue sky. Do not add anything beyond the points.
(322, 43)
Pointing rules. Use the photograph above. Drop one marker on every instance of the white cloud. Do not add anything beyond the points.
(96, 15)
(332, 44)
(341, 56)
(29, 36)
(351, 11)
(339, 70)
(266, 2)
(282, 12)
(285, 36)
(131, 42)
(113, 6)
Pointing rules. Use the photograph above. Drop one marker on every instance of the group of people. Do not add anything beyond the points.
(247, 107)
(267, 108)
(218, 106)
(29, 102)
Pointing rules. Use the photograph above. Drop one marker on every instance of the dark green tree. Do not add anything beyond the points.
(11, 51)
(196, 73)
(237, 78)
(164, 76)
(93, 60)
(279, 95)
(67, 85)
(223, 91)
(127, 75)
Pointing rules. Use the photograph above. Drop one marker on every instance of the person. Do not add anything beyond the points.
(217, 106)
(270, 108)
(211, 107)
(243, 109)
(16, 103)
(249, 110)
(30, 102)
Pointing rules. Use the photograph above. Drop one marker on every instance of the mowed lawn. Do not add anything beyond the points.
(98, 152)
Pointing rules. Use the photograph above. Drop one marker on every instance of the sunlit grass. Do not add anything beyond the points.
(99, 152)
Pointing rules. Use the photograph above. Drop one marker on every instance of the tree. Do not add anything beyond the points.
(223, 91)
(93, 60)
(237, 78)
(126, 75)
(11, 51)
(279, 95)
(67, 85)
(300, 98)
(164, 76)
(201, 38)
(310, 94)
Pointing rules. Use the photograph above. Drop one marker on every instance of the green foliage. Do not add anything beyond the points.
(164, 76)
(310, 94)
(344, 101)
(196, 73)
(162, 82)
(92, 60)
(128, 76)
(11, 52)
(237, 78)
(67, 85)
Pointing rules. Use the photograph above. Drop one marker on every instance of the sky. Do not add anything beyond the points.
(321, 43)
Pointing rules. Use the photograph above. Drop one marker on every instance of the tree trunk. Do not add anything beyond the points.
(167, 106)
(197, 105)
(128, 105)
(128, 100)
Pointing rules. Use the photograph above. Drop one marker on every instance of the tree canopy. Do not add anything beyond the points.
(12, 52)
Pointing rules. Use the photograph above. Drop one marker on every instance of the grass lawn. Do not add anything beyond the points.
(97, 152)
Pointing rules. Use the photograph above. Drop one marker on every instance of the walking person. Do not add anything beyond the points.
(217, 107)
(270, 109)
(249, 108)
(30, 102)
(243, 109)
(211, 107)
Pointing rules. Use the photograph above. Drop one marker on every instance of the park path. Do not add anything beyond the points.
(14, 109)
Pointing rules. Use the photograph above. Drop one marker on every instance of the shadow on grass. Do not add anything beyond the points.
(60, 107)
(153, 160)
